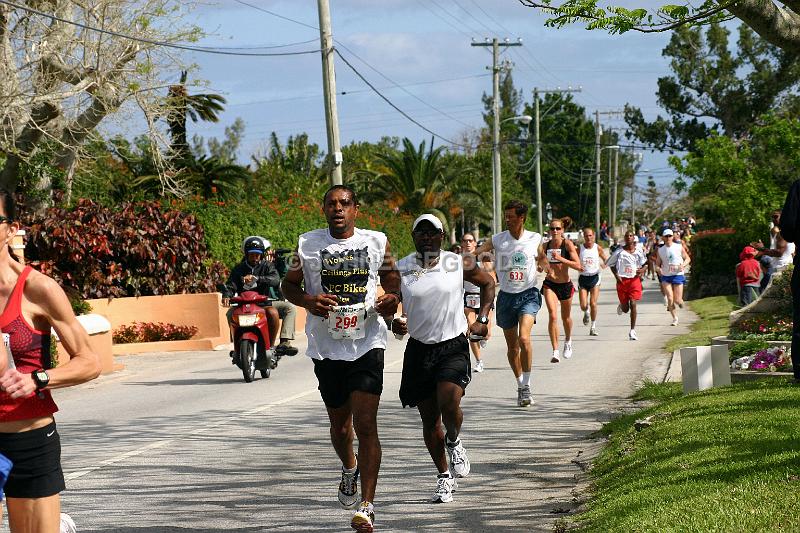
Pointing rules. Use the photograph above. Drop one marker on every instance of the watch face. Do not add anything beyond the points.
(41, 378)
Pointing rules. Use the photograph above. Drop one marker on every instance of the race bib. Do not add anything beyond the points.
(629, 271)
(347, 322)
(553, 254)
(516, 277)
(674, 269)
(473, 300)
(588, 263)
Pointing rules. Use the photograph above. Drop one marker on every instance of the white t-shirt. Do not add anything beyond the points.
(779, 263)
(590, 260)
(671, 259)
(515, 260)
(347, 268)
(627, 263)
(433, 299)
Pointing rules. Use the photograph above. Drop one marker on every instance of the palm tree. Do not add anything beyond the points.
(181, 105)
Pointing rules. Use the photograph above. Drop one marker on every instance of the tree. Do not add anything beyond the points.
(713, 89)
(59, 81)
(738, 183)
(226, 149)
(777, 22)
(510, 102)
(180, 106)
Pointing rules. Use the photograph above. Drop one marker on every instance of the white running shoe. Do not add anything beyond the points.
(478, 366)
(348, 489)
(632, 336)
(619, 309)
(364, 518)
(593, 331)
(446, 484)
(586, 318)
(457, 457)
(555, 358)
(674, 321)
(567, 350)
(67, 524)
(524, 398)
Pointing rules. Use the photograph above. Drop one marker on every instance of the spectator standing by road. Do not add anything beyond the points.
(337, 282)
(33, 304)
(790, 232)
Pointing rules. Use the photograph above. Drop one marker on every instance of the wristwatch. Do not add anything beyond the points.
(483, 319)
(41, 378)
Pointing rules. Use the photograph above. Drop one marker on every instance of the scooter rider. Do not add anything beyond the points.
(253, 274)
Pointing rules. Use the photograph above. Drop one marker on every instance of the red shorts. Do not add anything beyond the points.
(629, 289)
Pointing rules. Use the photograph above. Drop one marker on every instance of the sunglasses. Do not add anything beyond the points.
(467, 240)
(427, 233)
(555, 228)
(4, 220)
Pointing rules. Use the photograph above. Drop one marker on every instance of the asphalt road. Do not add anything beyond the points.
(179, 442)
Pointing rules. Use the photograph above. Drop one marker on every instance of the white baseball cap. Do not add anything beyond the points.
(666, 232)
(430, 218)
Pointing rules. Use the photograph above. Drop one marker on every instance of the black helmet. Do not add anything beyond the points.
(253, 245)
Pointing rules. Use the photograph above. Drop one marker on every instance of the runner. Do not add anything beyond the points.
(557, 288)
(340, 269)
(593, 258)
(33, 304)
(436, 369)
(672, 261)
(472, 302)
(516, 263)
(628, 266)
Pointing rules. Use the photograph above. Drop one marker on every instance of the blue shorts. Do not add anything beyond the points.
(680, 279)
(511, 306)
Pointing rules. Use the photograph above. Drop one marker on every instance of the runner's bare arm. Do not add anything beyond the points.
(386, 304)
(319, 305)
(484, 248)
(571, 263)
(686, 258)
(603, 255)
(51, 304)
(486, 283)
(541, 260)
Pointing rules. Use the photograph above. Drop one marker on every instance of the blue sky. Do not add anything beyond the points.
(423, 45)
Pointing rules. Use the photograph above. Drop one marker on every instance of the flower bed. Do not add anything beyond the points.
(773, 359)
(152, 332)
(766, 327)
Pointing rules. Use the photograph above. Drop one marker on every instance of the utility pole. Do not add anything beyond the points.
(597, 133)
(538, 144)
(616, 179)
(497, 187)
(329, 92)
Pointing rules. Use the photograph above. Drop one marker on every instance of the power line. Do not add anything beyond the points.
(266, 47)
(385, 99)
(278, 15)
(153, 41)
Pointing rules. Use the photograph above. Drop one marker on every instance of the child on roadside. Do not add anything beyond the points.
(748, 276)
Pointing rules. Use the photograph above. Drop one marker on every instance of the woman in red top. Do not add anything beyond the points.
(32, 303)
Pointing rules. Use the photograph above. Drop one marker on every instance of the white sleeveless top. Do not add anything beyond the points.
(347, 268)
(671, 259)
(433, 299)
(515, 260)
(590, 260)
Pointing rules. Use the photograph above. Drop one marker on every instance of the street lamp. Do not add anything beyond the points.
(597, 190)
(497, 187)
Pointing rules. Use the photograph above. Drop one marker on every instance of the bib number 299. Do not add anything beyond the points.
(345, 322)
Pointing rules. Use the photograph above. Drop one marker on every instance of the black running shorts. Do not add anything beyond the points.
(564, 291)
(36, 455)
(588, 282)
(425, 365)
(337, 379)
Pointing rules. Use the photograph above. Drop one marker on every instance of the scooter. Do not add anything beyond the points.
(252, 348)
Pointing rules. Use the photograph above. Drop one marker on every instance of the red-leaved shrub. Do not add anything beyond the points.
(134, 250)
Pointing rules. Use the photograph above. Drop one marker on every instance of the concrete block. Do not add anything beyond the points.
(703, 367)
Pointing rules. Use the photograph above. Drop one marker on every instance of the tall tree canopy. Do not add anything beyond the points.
(778, 22)
(713, 89)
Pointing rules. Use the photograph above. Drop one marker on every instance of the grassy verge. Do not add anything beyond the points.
(726, 459)
(713, 312)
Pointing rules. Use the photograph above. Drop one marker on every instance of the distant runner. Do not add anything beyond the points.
(628, 266)
(671, 262)
(593, 258)
(472, 302)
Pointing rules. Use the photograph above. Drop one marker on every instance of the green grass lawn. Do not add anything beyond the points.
(713, 312)
(726, 459)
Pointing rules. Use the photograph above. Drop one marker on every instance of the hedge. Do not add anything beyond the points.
(226, 224)
(714, 258)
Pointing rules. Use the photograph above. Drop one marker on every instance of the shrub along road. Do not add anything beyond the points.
(179, 441)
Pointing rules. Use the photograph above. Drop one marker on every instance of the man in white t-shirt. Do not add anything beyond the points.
(517, 261)
(335, 279)
(436, 364)
(593, 258)
(628, 265)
